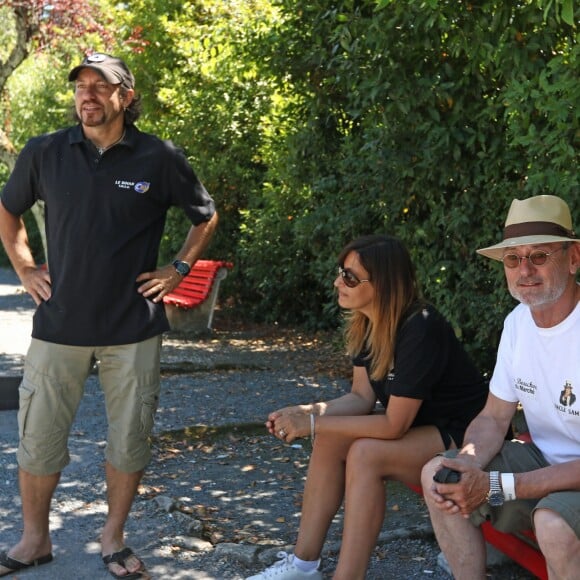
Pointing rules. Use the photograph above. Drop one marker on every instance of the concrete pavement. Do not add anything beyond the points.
(242, 386)
(16, 310)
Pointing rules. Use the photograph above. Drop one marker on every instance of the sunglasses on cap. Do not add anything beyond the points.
(349, 278)
(537, 258)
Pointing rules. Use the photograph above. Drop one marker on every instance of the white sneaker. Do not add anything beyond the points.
(285, 569)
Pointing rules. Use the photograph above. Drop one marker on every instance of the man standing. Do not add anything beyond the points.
(106, 188)
(510, 484)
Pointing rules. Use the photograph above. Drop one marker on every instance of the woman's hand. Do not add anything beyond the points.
(274, 422)
(290, 426)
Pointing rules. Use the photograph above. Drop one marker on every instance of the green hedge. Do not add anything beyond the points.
(313, 122)
(423, 119)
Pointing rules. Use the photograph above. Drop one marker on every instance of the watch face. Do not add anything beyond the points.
(496, 499)
(181, 267)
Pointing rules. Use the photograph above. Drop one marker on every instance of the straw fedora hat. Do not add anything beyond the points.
(537, 220)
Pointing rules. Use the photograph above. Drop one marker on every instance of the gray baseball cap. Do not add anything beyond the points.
(111, 68)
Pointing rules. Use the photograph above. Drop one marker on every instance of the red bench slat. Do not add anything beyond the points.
(197, 285)
(520, 551)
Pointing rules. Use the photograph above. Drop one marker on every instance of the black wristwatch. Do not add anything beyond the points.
(181, 267)
(495, 496)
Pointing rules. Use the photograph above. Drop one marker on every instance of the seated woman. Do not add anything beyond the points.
(405, 355)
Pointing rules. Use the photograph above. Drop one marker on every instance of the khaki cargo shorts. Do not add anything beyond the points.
(51, 391)
(516, 516)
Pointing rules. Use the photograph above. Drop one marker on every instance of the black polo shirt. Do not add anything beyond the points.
(105, 216)
(431, 364)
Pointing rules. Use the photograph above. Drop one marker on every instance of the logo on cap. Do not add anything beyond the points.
(96, 57)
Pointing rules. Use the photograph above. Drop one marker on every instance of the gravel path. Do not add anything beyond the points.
(220, 496)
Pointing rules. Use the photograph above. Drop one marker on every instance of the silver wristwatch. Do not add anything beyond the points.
(495, 496)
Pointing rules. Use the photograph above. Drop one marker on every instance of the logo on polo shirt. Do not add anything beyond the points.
(139, 187)
(142, 187)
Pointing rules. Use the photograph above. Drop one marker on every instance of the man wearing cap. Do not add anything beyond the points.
(107, 188)
(517, 486)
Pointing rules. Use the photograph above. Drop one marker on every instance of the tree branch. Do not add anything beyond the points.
(24, 31)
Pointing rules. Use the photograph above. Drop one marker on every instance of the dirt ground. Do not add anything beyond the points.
(221, 495)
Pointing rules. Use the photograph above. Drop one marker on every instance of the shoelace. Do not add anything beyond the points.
(275, 569)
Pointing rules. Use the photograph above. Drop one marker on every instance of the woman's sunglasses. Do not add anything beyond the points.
(349, 278)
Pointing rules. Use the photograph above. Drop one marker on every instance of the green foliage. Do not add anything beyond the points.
(313, 122)
(4, 262)
(420, 119)
(36, 83)
(36, 97)
(201, 90)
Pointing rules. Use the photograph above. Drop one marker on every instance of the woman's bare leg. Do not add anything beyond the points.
(323, 493)
(369, 463)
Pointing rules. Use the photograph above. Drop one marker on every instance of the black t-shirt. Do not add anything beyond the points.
(430, 364)
(104, 217)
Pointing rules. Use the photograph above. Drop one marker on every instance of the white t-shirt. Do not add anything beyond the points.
(540, 367)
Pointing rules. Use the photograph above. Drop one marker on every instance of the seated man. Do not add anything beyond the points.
(510, 484)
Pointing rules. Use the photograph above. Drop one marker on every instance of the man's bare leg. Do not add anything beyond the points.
(36, 494)
(121, 491)
(461, 542)
(558, 543)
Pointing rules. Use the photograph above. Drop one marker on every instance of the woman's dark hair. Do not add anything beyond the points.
(392, 274)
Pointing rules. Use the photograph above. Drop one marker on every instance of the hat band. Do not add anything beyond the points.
(536, 229)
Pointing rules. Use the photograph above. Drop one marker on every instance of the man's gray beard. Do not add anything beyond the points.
(543, 300)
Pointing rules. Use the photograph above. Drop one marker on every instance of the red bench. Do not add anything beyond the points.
(521, 547)
(191, 305)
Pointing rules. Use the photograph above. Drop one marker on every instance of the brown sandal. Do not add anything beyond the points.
(14, 565)
(120, 558)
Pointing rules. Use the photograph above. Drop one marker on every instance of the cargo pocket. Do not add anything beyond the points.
(148, 409)
(26, 392)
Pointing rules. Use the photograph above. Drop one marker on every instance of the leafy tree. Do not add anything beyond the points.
(423, 119)
(312, 123)
(202, 90)
(48, 31)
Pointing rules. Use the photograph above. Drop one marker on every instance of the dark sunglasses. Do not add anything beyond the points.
(537, 258)
(349, 278)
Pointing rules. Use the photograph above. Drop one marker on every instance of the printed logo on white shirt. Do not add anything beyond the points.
(567, 400)
(527, 388)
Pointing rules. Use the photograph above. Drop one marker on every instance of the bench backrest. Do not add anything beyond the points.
(197, 285)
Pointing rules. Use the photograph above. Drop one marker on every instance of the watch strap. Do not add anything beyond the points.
(495, 496)
(508, 484)
(494, 482)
